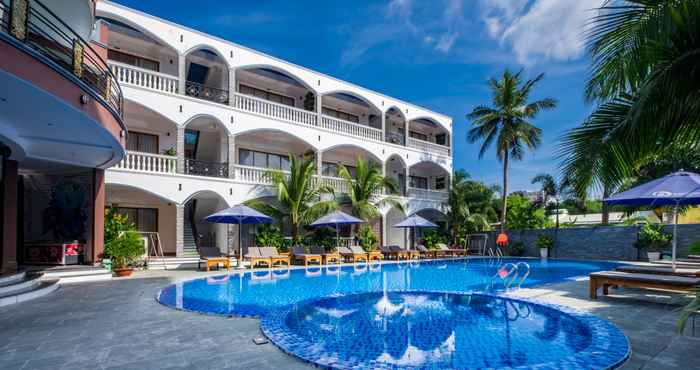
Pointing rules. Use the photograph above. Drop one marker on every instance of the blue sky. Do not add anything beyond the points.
(438, 54)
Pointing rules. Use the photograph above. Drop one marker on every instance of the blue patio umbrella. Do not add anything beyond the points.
(676, 189)
(414, 222)
(336, 219)
(242, 215)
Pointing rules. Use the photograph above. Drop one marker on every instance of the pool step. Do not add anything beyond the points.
(22, 287)
(78, 274)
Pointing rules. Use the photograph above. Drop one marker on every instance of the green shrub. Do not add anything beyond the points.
(517, 249)
(321, 236)
(269, 236)
(694, 248)
(432, 237)
(544, 241)
(123, 244)
(368, 239)
(653, 237)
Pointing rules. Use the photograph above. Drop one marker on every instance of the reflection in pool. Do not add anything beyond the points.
(254, 293)
(442, 330)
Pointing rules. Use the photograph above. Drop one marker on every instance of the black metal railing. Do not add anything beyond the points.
(395, 138)
(32, 24)
(205, 92)
(202, 168)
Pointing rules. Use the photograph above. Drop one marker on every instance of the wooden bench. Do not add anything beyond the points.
(299, 254)
(659, 270)
(606, 279)
(212, 257)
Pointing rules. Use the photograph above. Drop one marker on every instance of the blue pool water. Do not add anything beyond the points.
(442, 331)
(257, 292)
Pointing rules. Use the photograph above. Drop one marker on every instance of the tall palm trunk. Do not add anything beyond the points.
(505, 192)
(605, 217)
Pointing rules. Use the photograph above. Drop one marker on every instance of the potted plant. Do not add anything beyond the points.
(123, 244)
(544, 242)
(653, 238)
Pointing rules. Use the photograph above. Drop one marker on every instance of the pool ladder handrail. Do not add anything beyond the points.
(514, 270)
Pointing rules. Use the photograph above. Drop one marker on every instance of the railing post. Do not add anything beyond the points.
(231, 86)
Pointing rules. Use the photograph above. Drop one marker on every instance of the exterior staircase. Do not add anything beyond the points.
(23, 286)
(189, 243)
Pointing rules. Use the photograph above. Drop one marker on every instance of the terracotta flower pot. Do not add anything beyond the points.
(122, 272)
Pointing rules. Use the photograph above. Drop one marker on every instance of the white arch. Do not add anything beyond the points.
(444, 166)
(403, 161)
(444, 214)
(142, 189)
(208, 47)
(402, 113)
(205, 191)
(107, 14)
(427, 118)
(372, 155)
(289, 133)
(146, 107)
(359, 96)
(206, 115)
(280, 70)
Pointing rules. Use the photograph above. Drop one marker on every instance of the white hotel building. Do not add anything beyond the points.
(206, 118)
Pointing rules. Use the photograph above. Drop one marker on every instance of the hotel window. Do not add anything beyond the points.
(141, 142)
(441, 139)
(133, 60)
(144, 219)
(266, 95)
(418, 182)
(263, 160)
(332, 169)
(341, 115)
(440, 183)
(418, 135)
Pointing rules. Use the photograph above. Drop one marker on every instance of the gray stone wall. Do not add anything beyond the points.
(601, 242)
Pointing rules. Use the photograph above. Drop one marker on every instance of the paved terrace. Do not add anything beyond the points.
(119, 325)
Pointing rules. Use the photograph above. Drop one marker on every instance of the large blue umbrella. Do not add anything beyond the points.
(241, 215)
(676, 189)
(336, 219)
(414, 222)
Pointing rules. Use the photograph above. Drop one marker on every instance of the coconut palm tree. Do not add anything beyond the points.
(507, 123)
(460, 217)
(298, 195)
(552, 190)
(365, 193)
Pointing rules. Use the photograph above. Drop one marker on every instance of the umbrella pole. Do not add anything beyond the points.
(337, 238)
(240, 244)
(673, 249)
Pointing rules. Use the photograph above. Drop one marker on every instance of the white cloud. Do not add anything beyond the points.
(446, 41)
(539, 30)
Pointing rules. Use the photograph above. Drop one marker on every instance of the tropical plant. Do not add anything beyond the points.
(544, 241)
(460, 219)
(322, 236)
(365, 190)
(645, 78)
(524, 214)
(552, 190)
(653, 237)
(507, 123)
(432, 237)
(694, 248)
(298, 195)
(123, 244)
(269, 236)
(367, 238)
(692, 308)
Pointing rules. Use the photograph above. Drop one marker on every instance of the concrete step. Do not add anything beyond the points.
(12, 278)
(43, 288)
(27, 283)
(78, 274)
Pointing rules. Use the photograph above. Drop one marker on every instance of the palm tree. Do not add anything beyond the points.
(507, 124)
(552, 190)
(298, 195)
(365, 190)
(460, 215)
(645, 77)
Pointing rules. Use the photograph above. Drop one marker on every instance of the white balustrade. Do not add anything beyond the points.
(338, 184)
(274, 110)
(148, 162)
(131, 75)
(427, 146)
(350, 128)
(439, 195)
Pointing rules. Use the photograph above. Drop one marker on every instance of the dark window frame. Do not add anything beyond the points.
(138, 135)
(265, 95)
(112, 53)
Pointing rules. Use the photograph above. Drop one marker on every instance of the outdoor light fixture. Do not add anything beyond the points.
(84, 99)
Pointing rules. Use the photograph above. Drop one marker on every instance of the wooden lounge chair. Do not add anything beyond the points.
(354, 253)
(326, 257)
(684, 264)
(213, 257)
(407, 253)
(659, 270)
(271, 253)
(606, 279)
(451, 251)
(389, 252)
(425, 252)
(375, 255)
(299, 254)
(255, 257)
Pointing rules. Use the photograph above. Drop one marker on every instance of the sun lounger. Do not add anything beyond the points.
(425, 252)
(407, 253)
(606, 279)
(375, 255)
(213, 257)
(326, 257)
(660, 270)
(354, 253)
(255, 257)
(390, 253)
(271, 253)
(451, 251)
(299, 254)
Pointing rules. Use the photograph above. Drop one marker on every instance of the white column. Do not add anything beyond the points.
(407, 181)
(384, 230)
(232, 160)
(405, 131)
(319, 163)
(180, 148)
(231, 85)
(383, 126)
(179, 229)
(182, 73)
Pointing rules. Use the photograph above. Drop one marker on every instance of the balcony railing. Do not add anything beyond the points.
(274, 110)
(148, 162)
(350, 128)
(204, 168)
(438, 195)
(198, 90)
(427, 146)
(395, 138)
(32, 24)
(144, 78)
(252, 175)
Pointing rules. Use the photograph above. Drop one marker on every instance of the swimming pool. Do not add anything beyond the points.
(426, 330)
(254, 293)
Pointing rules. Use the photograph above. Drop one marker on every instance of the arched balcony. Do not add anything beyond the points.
(428, 135)
(351, 114)
(345, 155)
(428, 180)
(205, 151)
(206, 75)
(395, 168)
(395, 126)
